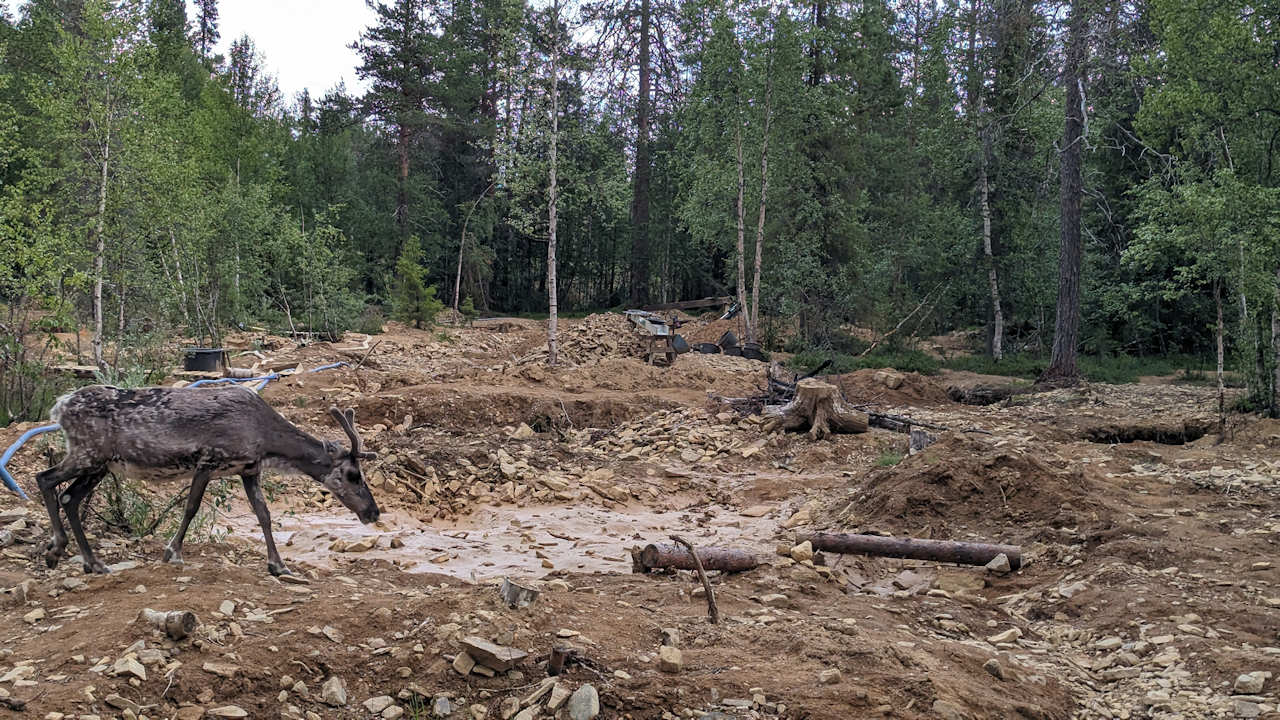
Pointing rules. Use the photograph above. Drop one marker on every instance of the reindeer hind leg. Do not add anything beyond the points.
(70, 469)
(73, 497)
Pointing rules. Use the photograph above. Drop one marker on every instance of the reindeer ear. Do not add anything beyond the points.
(334, 450)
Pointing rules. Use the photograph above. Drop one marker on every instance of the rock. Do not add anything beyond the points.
(756, 511)
(464, 664)
(190, 712)
(334, 692)
(524, 432)
(584, 704)
(509, 707)
(122, 703)
(999, 564)
(670, 659)
(225, 670)
(441, 707)
(528, 713)
(228, 608)
(671, 636)
(478, 711)
(947, 710)
(498, 657)
(1247, 709)
(536, 694)
(377, 704)
(394, 712)
(1250, 683)
(1110, 642)
(774, 599)
(129, 666)
(802, 517)
(802, 552)
(1007, 636)
(994, 667)
(229, 711)
(830, 676)
(34, 616)
(559, 693)
(956, 582)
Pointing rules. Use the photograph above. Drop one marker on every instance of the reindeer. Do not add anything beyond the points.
(158, 434)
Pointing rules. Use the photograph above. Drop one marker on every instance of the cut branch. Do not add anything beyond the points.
(964, 553)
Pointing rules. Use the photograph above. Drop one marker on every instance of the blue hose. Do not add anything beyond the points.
(10, 483)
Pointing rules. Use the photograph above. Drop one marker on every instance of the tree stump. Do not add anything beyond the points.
(818, 408)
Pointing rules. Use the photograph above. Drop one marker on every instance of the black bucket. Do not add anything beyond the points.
(733, 350)
(753, 351)
(708, 348)
(680, 344)
(728, 340)
(201, 359)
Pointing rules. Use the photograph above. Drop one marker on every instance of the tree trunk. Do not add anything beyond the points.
(1275, 348)
(818, 71)
(402, 183)
(100, 249)
(984, 190)
(753, 322)
(742, 228)
(1062, 368)
(640, 186)
(551, 192)
(1222, 394)
(818, 407)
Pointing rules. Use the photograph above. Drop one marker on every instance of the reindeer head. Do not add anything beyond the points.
(344, 479)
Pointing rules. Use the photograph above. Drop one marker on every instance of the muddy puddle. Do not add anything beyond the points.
(503, 542)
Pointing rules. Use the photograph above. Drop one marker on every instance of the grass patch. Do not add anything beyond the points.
(904, 360)
(889, 459)
(1115, 369)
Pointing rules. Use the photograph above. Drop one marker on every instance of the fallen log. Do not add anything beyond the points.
(662, 556)
(818, 407)
(963, 553)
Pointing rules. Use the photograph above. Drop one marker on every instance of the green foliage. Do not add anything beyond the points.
(889, 458)
(412, 299)
(371, 320)
(904, 360)
(468, 310)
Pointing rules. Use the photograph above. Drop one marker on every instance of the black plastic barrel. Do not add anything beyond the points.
(753, 351)
(728, 340)
(680, 344)
(201, 359)
(708, 348)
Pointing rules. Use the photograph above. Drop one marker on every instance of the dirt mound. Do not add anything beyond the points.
(889, 387)
(962, 483)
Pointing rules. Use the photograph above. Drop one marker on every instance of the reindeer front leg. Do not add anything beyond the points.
(173, 551)
(253, 490)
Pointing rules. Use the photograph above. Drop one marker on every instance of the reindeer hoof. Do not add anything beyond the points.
(96, 568)
(278, 569)
(172, 557)
(53, 553)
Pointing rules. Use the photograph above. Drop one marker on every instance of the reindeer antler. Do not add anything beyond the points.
(347, 421)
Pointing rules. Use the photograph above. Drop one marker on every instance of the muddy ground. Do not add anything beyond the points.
(1150, 585)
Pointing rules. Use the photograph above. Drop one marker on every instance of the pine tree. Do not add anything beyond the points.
(206, 29)
(412, 299)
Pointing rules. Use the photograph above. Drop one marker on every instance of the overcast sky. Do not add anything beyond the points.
(304, 42)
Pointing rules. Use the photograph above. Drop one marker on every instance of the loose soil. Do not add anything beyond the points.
(1150, 580)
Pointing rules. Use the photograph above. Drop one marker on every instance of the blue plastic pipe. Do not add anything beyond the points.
(10, 483)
